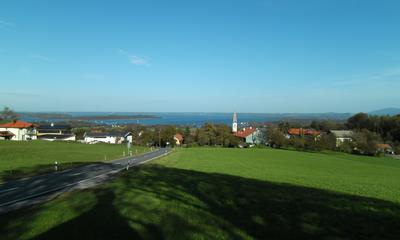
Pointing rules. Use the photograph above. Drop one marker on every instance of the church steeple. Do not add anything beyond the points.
(234, 123)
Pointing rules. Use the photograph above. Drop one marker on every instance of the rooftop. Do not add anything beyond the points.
(383, 146)
(301, 131)
(245, 132)
(179, 137)
(103, 135)
(342, 133)
(17, 124)
(52, 126)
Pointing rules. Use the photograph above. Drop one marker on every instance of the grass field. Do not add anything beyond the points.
(359, 175)
(20, 159)
(212, 193)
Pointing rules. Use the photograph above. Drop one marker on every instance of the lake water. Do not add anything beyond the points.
(194, 119)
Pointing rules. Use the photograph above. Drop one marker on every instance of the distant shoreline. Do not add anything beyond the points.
(59, 116)
(115, 117)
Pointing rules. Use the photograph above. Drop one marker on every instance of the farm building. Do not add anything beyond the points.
(18, 131)
(54, 132)
(110, 138)
(342, 136)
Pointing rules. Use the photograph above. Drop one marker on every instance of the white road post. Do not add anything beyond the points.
(127, 165)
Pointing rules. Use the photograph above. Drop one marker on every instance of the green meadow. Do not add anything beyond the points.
(22, 158)
(216, 193)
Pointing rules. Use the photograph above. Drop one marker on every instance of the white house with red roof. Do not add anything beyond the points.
(178, 138)
(249, 135)
(18, 130)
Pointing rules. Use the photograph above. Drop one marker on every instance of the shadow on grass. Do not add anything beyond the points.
(155, 202)
(102, 221)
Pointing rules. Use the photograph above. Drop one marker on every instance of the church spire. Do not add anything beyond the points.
(234, 123)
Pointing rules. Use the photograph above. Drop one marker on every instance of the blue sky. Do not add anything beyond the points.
(200, 56)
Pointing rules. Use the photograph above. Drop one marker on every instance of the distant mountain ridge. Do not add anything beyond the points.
(386, 111)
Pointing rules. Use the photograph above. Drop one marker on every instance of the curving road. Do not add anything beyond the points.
(23, 192)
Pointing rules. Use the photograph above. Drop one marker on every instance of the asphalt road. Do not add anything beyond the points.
(24, 190)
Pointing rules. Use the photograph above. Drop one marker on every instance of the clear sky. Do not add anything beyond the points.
(200, 56)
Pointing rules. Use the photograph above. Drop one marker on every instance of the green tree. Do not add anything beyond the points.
(8, 114)
(311, 143)
(202, 137)
(284, 126)
(223, 134)
(363, 121)
(167, 135)
(275, 137)
(326, 125)
(327, 141)
(79, 132)
(188, 138)
(366, 142)
(346, 147)
(397, 149)
(298, 143)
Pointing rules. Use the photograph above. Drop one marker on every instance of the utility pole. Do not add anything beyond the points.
(159, 137)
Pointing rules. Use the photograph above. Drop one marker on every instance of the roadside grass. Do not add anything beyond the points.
(211, 193)
(29, 158)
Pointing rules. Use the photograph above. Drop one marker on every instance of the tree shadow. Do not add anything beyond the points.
(103, 221)
(272, 210)
(236, 207)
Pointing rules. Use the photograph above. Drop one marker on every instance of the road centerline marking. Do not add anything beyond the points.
(8, 190)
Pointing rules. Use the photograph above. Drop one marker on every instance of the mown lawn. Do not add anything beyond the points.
(211, 193)
(21, 159)
(359, 175)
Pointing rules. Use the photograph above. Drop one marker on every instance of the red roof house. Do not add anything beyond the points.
(178, 139)
(301, 131)
(20, 130)
(383, 146)
(17, 124)
(249, 135)
(245, 132)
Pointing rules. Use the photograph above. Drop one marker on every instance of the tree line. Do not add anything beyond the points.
(369, 131)
(206, 135)
(7, 115)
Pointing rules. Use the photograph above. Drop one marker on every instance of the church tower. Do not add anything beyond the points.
(234, 123)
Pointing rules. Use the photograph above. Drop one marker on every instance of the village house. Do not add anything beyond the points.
(178, 138)
(111, 138)
(342, 136)
(54, 132)
(249, 135)
(18, 131)
(385, 148)
(294, 132)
